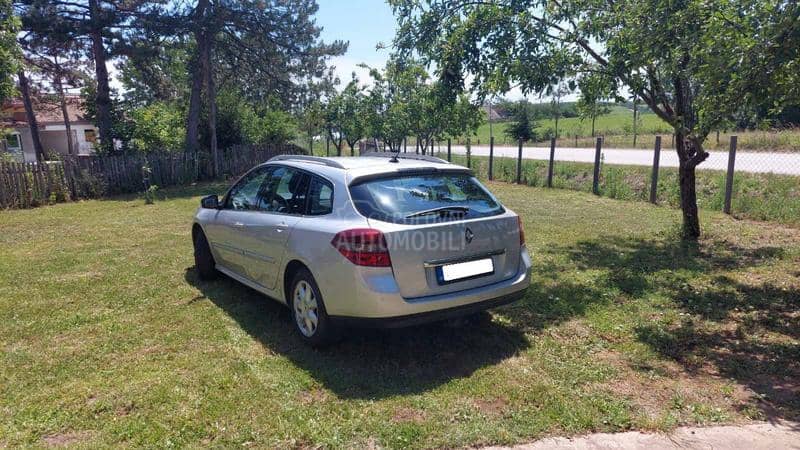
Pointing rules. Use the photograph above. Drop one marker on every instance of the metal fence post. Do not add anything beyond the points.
(449, 158)
(417, 141)
(327, 146)
(405, 148)
(729, 178)
(519, 163)
(491, 158)
(550, 166)
(654, 178)
(596, 176)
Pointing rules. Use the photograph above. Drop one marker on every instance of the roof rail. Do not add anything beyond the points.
(405, 156)
(307, 158)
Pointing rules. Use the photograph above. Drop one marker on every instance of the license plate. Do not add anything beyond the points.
(469, 269)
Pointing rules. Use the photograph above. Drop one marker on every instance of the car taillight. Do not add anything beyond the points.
(521, 231)
(363, 247)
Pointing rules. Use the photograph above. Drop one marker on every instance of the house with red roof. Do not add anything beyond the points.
(15, 132)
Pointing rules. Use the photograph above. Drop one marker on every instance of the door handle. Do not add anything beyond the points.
(238, 224)
(281, 227)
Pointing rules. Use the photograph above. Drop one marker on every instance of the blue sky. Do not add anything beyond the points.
(364, 23)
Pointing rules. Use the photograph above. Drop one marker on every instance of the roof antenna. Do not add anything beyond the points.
(394, 157)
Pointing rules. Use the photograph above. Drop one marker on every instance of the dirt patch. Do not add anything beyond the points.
(124, 410)
(492, 408)
(408, 415)
(655, 390)
(312, 396)
(65, 439)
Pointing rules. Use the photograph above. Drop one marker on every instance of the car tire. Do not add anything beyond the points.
(305, 303)
(203, 259)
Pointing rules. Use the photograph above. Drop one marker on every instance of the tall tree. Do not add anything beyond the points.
(388, 117)
(57, 64)
(9, 52)
(30, 115)
(691, 61)
(98, 28)
(270, 45)
(403, 101)
(346, 115)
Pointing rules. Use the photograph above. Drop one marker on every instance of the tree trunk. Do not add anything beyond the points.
(336, 142)
(593, 118)
(211, 93)
(195, 99)
(103, 92)
(193, 114)
(65, 114)
(635, 113)
(556, 130)
(25, 89)
(686, 172)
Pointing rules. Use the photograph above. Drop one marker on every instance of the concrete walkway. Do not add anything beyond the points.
(761, 436)
(756, 162)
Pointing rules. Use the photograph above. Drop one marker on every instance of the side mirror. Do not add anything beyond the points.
(210, 202)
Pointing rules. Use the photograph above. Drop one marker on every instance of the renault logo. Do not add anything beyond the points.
(468, 235)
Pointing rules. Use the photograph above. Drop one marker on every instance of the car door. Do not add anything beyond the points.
(262, 235)
(224, 232)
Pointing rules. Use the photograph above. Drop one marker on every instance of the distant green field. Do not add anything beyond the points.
(618, 122)
(616, 128)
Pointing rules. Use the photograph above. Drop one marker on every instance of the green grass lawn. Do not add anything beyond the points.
(109, 337)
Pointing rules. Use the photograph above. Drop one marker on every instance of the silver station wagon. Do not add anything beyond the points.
(381, 240)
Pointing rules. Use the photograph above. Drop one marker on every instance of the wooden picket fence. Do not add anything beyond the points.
(27, 185)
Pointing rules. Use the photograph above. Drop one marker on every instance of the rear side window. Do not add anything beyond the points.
(424, 198)
(320, 197)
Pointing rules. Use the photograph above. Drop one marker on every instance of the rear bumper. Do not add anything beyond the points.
(425, 317)
(372, 297)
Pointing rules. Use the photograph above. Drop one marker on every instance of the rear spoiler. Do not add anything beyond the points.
(409, 172)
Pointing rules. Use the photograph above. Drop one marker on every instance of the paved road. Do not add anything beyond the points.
(760, 436)
(782, 163)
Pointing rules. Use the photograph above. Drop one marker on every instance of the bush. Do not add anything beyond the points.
(159, 126)
(240, 123)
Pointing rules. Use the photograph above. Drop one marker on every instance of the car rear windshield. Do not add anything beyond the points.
(424, 198)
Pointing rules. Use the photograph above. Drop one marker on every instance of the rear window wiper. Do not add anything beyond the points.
(427, 212)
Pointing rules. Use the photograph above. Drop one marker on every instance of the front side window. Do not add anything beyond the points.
(245, 195)
(424, 198)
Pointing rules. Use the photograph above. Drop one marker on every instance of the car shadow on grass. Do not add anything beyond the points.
(745, 332)
(369, 364)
